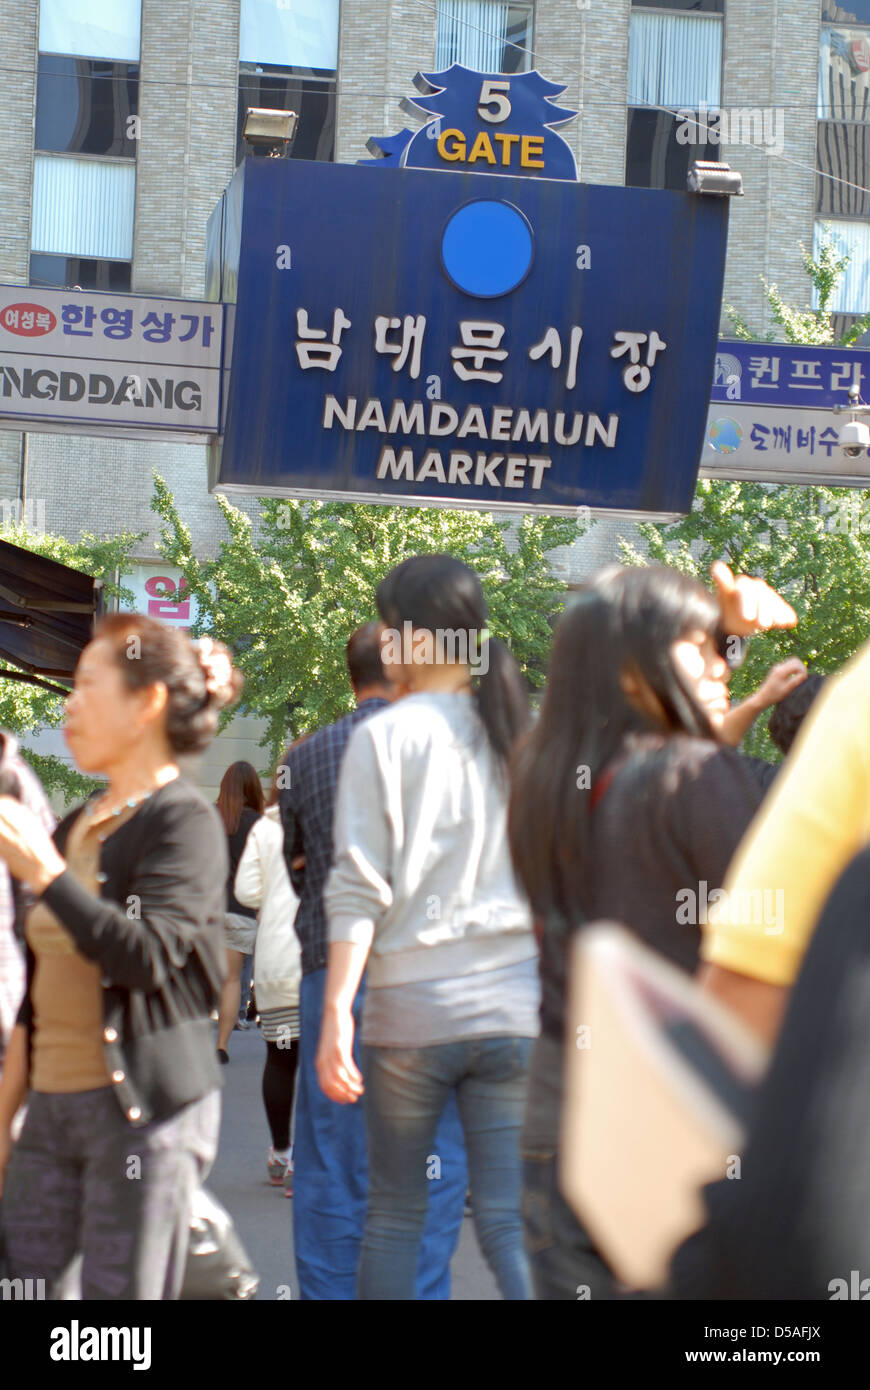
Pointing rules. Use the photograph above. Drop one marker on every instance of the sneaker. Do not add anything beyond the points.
(242, 1024)
(277, 1167)
(223, 1056)
(288, 1180)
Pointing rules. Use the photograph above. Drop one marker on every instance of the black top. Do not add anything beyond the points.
(797, 1224)
(236, 845)
(667, 824)
(307, 806)
(164, 962)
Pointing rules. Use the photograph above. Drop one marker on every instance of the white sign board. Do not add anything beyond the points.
(74, 360)
(779, 444)
(155, 586)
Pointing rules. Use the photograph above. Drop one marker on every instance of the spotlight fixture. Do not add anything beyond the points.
(269, 132)
(706, 176)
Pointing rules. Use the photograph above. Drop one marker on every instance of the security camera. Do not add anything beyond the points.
(854, 439)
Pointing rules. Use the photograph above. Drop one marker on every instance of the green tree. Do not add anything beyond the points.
(812, 327)
(28, 709)
(287, 603)
(810, 543)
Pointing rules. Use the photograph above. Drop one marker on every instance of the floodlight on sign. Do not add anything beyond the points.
(269, 132)
(707, 176)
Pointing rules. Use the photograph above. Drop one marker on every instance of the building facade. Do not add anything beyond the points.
(122, 124)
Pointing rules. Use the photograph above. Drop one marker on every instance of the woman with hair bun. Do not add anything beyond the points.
(113, 1046)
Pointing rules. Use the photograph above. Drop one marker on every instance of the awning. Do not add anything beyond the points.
(47, 616)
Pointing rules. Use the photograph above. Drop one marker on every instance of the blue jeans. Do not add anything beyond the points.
(407, 1090)
(331, 1177)
(565, 1262)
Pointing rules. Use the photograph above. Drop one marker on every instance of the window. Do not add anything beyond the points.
(843, 150)
(844, 75)
(83, 207)
(288, 56)
(674, 60)
(65, 272)
(696, 6)
(91, 28)
(852, 295)
(312, 98)
(84, 105)
(654, 155)
(484, 35)
(303, 34)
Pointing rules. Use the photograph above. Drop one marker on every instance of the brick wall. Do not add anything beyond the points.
(778, 208)
(188, 105)
(185, 157)
(18, 45)
(381, 47)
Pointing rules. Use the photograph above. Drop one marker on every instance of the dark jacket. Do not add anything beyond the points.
(307, 804)
(157, 933)
(668, 820)
(236, 848)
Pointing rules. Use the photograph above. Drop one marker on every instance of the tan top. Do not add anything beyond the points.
(67, 994)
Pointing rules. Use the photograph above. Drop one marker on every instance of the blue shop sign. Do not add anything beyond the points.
(788, 374)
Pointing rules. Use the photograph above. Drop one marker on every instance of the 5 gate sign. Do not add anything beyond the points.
(460, 323)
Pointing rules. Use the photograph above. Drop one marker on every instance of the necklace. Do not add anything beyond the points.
(130, 804)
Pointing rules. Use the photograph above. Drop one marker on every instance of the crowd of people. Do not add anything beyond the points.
(404, 900)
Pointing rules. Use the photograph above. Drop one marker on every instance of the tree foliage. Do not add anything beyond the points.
(28, 709)
(811, 327)
(287, 602)
(810, 543)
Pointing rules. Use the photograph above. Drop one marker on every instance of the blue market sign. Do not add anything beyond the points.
(786, 374)
(467, 341)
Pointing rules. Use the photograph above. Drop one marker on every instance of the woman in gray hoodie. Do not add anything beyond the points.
(422, 895)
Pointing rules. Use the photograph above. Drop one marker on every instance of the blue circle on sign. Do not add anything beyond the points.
(487, 248)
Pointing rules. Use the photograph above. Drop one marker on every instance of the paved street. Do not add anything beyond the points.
(263, 1216)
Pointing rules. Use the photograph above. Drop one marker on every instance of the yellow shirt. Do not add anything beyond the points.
(816, 819)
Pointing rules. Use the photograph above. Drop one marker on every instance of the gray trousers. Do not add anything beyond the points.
(82, 1181)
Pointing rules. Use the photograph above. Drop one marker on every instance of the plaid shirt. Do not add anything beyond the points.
(18, 776)
(307, 805)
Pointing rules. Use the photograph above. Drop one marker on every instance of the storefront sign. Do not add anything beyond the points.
(76, 360)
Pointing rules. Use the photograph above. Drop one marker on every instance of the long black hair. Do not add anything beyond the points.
(438, 593)
(625, 621)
